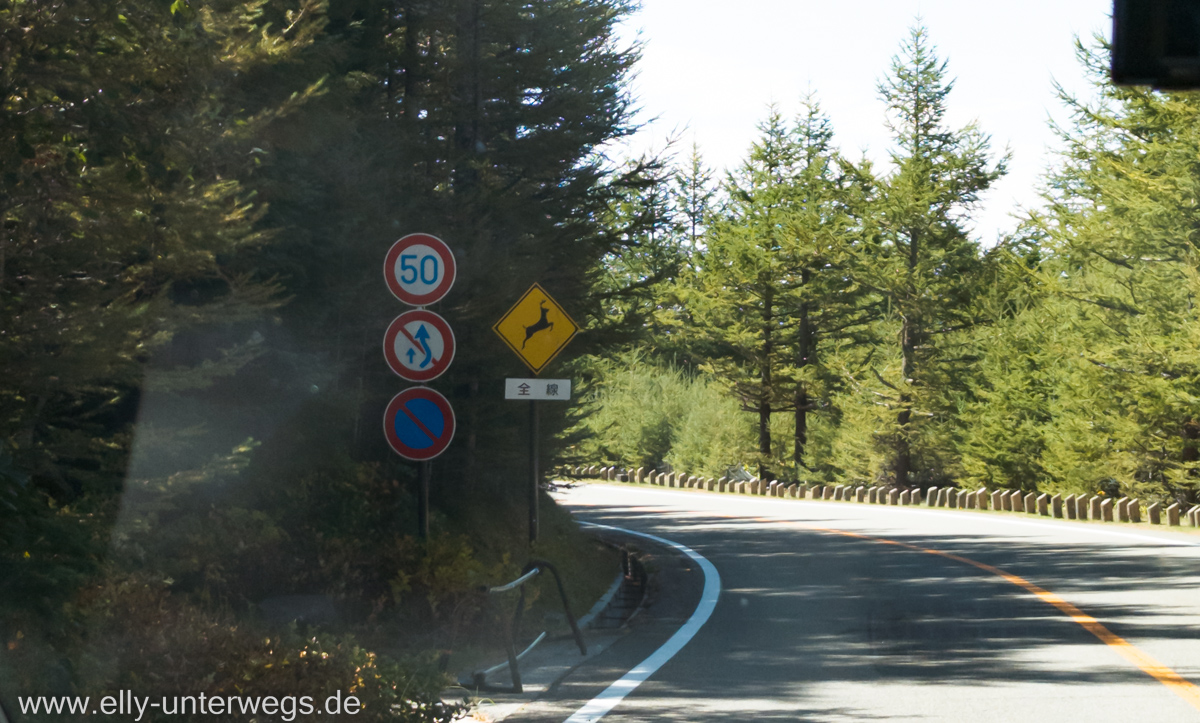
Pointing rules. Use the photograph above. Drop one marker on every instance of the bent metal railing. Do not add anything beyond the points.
(531, 570)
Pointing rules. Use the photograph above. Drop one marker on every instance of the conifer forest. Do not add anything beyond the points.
(195, 202)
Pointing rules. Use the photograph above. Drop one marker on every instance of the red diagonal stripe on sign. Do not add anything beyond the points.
(432, 437)
(416, 344)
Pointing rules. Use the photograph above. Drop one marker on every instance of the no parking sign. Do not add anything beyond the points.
(418, 424)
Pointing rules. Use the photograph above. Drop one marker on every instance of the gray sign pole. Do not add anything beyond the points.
(423, 501)
(535, 390)
(533, 470)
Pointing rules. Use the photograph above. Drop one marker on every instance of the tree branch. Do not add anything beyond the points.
(885, 382)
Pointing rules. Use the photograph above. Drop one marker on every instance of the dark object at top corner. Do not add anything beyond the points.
(1156, 43)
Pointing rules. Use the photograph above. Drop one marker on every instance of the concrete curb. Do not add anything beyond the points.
(587, 620)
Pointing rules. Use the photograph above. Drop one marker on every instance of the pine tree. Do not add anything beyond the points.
(825, 306)
(1122, 262)
(1007, 410)
(127, 134)
(771, 283)
(924, 263)
(736, 298)
(478, 121)
(123, 142)
(695, 196)
(652, 254)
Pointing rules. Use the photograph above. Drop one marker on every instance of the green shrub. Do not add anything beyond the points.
(644, 414)
(712, 433)
(632, 411)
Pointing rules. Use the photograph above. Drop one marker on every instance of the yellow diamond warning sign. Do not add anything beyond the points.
(536, 328)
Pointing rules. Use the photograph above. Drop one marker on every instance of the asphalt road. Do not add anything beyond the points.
(822, 617)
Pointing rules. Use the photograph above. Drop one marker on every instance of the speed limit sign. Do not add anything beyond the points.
(419, 269)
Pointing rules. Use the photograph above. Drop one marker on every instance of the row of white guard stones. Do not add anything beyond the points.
(1072, 507)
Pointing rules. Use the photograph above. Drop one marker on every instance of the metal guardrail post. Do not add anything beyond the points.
(513, 625)
(562, 592)
(510, 646)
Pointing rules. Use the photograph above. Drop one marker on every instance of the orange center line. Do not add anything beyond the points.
(1146, 663)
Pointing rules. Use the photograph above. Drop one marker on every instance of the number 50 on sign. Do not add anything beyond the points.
(419, 269)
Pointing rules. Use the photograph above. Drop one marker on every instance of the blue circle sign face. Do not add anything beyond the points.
(419, 424)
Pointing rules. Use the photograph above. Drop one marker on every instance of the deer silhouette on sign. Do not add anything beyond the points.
(542, 323)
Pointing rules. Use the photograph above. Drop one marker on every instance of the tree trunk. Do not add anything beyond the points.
(1191, 442)
(764, 401)
(903, 450)
(908, 348)
(470, 87)
(805, 350)
(409, 60)
(801, 426)
(472, 461)
(903, 465)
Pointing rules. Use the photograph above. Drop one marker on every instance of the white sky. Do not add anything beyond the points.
(711, 67)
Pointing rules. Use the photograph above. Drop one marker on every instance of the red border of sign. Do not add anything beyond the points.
(393, 284)
(389, 429)
(439, 366)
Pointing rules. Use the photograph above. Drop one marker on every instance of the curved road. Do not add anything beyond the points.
(833, 611)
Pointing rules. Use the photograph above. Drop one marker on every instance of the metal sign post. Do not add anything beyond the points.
(533, 471)
(423, 501)
(536, 328)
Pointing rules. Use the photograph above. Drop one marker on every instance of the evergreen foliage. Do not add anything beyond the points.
(658, 416)
(921, 260)
(1122, 231)
(737, 297)
(1061, 358)
(123, 218)
(770, 283)
(195, 202)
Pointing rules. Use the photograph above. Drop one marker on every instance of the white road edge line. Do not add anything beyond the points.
(601, 705)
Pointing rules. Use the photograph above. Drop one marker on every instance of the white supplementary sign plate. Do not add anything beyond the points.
(555, 390)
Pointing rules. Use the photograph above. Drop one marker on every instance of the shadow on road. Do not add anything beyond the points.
(802, 607)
